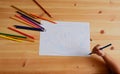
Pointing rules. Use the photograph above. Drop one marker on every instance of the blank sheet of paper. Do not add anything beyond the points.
(65, 39)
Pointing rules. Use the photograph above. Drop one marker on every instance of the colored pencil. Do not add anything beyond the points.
(39, 26)
(30, 40)
(42, 8)
(10, 38)
(43, 18)
(13, 29)
(13, 35)
(21, 21)
(103, 47)
(28, 17)
(28, 28)
(20, 10)
(27, 39)
(26, 21)
(31, 21)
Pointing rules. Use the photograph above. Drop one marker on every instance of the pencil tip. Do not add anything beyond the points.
(50, 16)
(44, 30)
(12, 6)
(89, 53)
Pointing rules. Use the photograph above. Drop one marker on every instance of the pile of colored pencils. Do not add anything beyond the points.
(29, 20)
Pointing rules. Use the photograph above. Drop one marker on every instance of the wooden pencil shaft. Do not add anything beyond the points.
(10, 38)
(38, 26)
(21, 10)
(21, 32)
(105, 46)
(22, 21)
(12, 35)
(28, 17)
(26, 21)
(27, 28)
(42, 8)
(43, 18)
(31, 21)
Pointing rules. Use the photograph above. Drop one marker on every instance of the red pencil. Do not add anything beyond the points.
(26, 21)
(19, 20)
(13, 29)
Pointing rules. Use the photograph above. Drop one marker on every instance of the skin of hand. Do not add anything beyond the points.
(96, 50)
(111, 63)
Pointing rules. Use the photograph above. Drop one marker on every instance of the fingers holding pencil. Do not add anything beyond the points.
(98, 50)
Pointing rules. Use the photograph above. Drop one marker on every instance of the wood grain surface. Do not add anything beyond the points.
(23, 58)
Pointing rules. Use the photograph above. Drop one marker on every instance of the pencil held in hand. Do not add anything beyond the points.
(103, 47)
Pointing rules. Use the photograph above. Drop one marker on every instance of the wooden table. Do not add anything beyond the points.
(22, 57)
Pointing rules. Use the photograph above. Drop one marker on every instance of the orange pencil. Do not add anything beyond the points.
(13, 29)
(43, 18)
(21, 21)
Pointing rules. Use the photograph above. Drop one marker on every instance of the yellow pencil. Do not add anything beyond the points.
(27, 39)
(10, 38)
(21, 21)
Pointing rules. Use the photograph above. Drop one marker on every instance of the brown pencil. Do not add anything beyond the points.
(20, 10)
(42, 8)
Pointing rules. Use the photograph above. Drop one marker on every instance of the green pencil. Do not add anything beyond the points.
(13, 35)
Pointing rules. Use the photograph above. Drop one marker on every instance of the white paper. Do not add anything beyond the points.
(65, 39)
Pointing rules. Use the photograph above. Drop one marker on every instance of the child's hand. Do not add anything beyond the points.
(96, 50)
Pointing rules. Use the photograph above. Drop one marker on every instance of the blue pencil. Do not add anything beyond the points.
(31, 21)
(28, 28)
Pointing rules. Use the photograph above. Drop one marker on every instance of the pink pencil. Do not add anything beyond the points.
(13, 29)
(26, 21)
